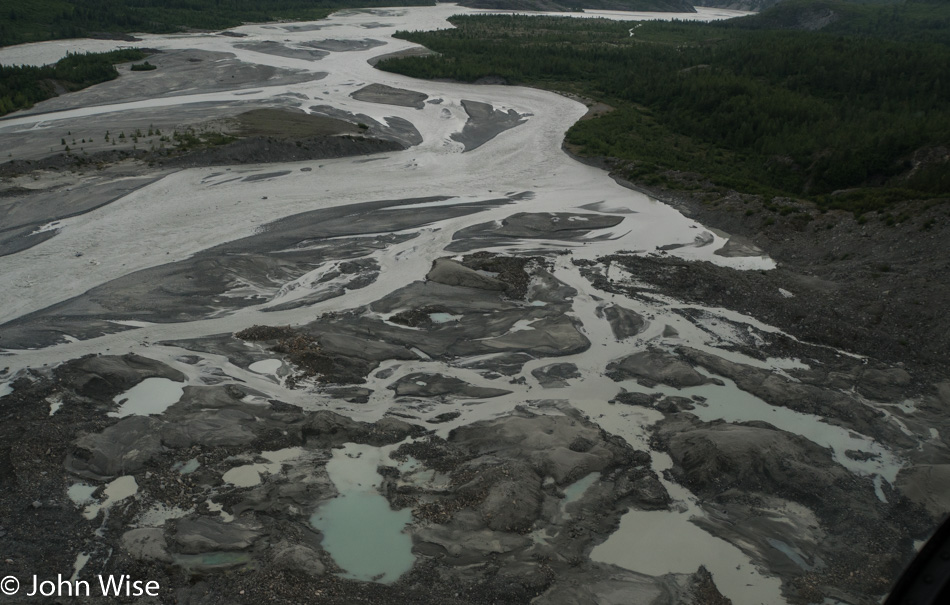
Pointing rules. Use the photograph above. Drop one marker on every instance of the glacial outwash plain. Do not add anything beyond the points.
(277, 326)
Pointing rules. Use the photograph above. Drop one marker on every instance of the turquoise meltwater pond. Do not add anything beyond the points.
(361, 532)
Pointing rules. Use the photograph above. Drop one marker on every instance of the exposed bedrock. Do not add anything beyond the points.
(738, 246)
(556, 375)
(104, 376)
(122, 448)
(656, 366)
(507, 476)
(452, 273)
(328, 429)
(562, 447)
(927, 485)
(614, 586)
(205, 417)
(482, 321)
(202, 534)
(420, 384)
(777, 496)
(506, 503)
(440, 321)
(624, 322)
(345, 347)
(225, 483)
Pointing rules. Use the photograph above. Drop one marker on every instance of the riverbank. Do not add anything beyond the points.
(862, 284)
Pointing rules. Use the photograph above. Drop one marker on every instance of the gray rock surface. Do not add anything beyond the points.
(745, 472)
(657, 366)
(835, 406)
(281, 50)
(300, 559)
(544, 442)
(485, 123)
(202, 534)
(555, 375)
(146, 543)
(738, 246)
(218, 428)
(925, 484)
(121, 449)
(419, 384)
(623, 322)
(327, 429)
(452, 273)
(104, 376)
(387, 95)
(340, 46)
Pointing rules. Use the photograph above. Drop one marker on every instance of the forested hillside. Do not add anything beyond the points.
(52, 19)
(914, 21)
(670, 6)
(762, 5)
(850, 121)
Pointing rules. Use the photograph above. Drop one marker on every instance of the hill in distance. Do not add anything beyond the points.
(666, 6)
(762, 5)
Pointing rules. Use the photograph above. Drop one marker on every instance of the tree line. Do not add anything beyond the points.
(799, 113)
(56, 19)
(22, 86)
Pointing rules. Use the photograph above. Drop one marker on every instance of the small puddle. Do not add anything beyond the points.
(685, 547)
(265, 366)
(249, 475)
(574, 491)
(213, 560)
(793, 554)
(81, 560)
(362, 534)
(80, 493)
(441, 318)
(120, 489)
(187, 467)
(151, 396)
